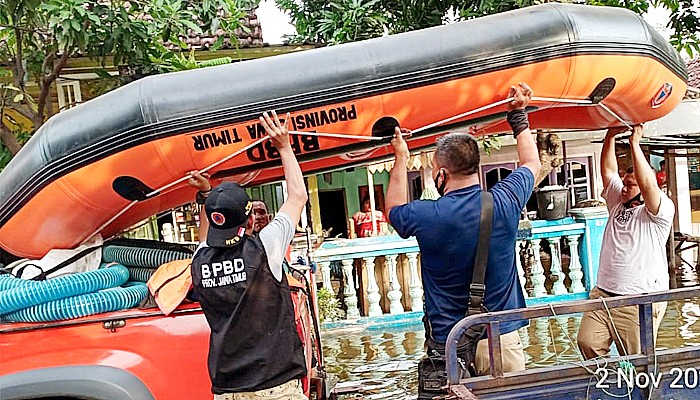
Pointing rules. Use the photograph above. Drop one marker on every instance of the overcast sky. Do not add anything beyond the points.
(275, 23)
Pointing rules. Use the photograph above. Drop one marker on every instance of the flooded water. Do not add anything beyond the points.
(385, 362)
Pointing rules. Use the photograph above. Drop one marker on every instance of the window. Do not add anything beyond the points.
(491, 174)
(68, 94)
(578, 180)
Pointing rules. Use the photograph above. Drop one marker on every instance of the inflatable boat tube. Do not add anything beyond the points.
(119, 158)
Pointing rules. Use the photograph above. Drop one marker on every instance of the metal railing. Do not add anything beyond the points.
(494, 319)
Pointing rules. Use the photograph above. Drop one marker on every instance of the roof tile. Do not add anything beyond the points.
(694, 73)
(250, 37)
(693, 67)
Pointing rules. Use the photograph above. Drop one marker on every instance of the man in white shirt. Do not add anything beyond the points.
(633, 254)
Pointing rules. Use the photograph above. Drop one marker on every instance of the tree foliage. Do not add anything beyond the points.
(38, 37)
(335, 21)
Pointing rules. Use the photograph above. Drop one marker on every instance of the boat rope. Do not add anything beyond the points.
(117, 215)
(338, 135)
(594, 374)
(561, 100)
(460, 116)
(355, 137)
(614, 115)
(177, 181)
(551, 336)
(612, 322)
(465, 114)
(571, 342)
(206, 169)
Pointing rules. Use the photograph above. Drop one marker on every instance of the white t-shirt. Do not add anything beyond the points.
(633, 254)
(275, 238)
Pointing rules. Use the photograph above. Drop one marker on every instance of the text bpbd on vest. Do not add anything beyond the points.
(223, 273)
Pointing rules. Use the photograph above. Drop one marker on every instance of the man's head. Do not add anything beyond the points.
(456, 154)
(227, 209)
(259, 217)
(630, 188)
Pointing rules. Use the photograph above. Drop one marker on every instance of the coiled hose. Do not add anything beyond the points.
(26, 293)
(34, 301)
(138, 274)
(112, 299)
(141, 257)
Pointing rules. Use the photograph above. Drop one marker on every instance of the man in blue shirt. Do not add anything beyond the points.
(447, 230)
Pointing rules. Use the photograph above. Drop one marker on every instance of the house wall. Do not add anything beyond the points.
(351, 180)
(574, 149)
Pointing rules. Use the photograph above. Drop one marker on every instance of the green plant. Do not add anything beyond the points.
(179, 62)
(328, 306)
(490, 143)
(337, 21)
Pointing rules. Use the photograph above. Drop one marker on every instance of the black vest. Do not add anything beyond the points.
(254, 343)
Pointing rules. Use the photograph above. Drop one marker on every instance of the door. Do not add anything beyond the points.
(334, 214)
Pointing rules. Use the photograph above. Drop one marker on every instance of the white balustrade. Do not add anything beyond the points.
(326, 275)
(349, 294)
(555, 273)
(575, 269)
(531, 274)
(537, 275)
(415, 288)
(394, 294)
(373, 295)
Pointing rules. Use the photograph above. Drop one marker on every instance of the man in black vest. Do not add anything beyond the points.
(254, 349)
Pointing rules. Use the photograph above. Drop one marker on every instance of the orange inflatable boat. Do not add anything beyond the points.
(115, 160)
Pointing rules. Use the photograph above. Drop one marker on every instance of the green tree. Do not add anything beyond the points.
(335, 21)
(329, 21)
(38, 37)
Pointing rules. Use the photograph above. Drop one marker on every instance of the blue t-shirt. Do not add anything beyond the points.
(447, 231)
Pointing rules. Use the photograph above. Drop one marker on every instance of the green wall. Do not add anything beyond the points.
(270, 194)
(350, 180)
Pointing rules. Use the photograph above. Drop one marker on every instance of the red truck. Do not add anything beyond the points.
(127, 355)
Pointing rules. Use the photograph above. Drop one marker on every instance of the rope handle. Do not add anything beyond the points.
(366, 138)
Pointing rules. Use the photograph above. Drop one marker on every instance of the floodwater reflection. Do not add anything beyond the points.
(385, 362)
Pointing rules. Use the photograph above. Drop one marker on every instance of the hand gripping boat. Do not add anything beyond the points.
(117, 159)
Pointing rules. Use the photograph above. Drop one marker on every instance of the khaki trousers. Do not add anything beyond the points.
(512, 355)
(291, 390)
(597, 331)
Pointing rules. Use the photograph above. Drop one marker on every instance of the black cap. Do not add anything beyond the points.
(227, 209)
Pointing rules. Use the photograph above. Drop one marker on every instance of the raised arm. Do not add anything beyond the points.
(528, 155)
(396, 191)
(201, 183)
(296, 190)
(646, 178)
(608, 158)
